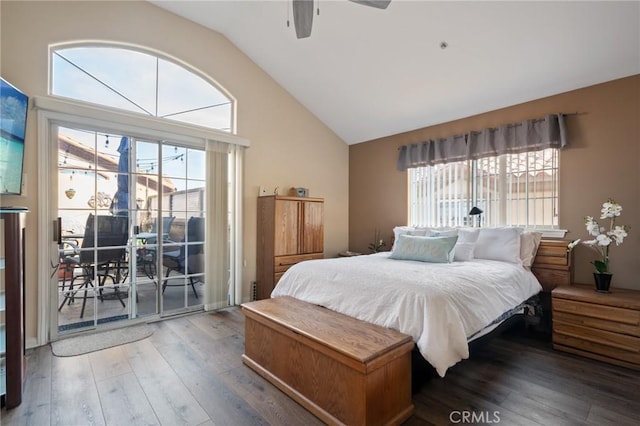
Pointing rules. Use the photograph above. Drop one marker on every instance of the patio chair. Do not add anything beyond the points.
(189, 257)
(147, 255)
(107, 262)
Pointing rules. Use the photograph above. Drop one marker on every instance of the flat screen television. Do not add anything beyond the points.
(13, 125)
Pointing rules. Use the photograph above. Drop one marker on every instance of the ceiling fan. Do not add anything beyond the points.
(303, 13)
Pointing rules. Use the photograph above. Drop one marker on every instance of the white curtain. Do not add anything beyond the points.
(223, 273)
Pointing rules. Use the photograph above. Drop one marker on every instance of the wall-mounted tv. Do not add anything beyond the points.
(13, 124)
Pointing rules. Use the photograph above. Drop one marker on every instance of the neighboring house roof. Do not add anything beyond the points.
(106, 164)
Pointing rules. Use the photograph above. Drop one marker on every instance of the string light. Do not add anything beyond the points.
(143, 165)
(149, 164)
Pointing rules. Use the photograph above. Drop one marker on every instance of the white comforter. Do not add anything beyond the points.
(439, 305)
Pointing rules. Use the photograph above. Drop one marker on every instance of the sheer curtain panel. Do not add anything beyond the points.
(221, 244)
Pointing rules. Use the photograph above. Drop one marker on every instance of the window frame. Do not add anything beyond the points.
(148, 51)
(472, 187)
(54, 112)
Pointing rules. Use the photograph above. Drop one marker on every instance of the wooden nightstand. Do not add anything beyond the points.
(601, 326)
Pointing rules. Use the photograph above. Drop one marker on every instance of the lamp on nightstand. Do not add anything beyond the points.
(475, 211)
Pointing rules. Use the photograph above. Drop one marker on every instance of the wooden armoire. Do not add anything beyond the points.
(290, 230)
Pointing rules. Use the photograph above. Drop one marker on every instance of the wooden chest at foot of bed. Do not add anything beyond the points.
(343, 370)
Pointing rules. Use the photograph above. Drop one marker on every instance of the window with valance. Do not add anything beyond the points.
(509, 172)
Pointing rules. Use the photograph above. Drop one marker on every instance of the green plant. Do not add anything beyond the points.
(378, 243)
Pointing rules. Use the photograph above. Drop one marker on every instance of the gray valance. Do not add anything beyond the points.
(453, 148)
(529, 135)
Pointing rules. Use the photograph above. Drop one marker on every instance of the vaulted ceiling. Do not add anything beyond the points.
(368, 73)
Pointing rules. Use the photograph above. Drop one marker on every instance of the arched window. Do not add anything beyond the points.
(136, 80)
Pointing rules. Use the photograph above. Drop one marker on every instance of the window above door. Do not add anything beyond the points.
(138, 80)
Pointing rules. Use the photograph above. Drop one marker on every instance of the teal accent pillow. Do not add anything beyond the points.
(424, 249)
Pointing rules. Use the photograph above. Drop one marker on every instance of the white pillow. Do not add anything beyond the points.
(463, 252)
(424, 249)
(442, 232)
(499, 244)
(406, 230)
(468, 235)
(529, 243)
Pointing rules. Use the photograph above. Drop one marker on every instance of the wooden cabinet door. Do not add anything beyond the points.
(287, 225)
(312, 227)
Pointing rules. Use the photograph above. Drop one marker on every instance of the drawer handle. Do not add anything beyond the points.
(287, 264)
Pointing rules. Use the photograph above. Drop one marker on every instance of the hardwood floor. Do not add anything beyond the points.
(190, 372)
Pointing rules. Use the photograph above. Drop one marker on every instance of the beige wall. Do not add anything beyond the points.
(603, 160)
(289, 146)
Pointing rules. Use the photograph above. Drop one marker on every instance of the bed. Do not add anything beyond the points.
(442, 306)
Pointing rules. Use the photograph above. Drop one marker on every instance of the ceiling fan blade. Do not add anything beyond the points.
(380, 4)
(303, 17)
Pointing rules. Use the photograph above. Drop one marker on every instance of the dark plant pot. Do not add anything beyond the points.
(603, 281)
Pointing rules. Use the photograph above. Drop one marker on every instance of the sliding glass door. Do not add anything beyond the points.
(171, 237)
(131, 228)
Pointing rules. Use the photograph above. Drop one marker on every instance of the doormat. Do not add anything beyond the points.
(102, 340)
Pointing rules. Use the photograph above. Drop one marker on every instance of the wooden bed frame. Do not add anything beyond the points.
(346, 371)
(553, 264)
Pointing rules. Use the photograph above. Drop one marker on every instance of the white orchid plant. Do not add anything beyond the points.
(603, 239)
